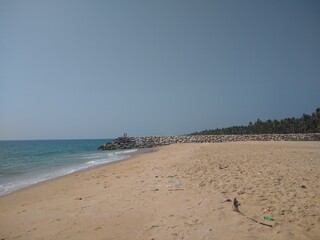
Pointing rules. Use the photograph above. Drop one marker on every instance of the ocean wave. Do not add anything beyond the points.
(80, 163)
(126, 151)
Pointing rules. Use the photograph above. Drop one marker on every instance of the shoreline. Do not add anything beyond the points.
(176, 192)
(131, 156)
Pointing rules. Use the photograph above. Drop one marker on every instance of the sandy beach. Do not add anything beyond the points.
(180, 191)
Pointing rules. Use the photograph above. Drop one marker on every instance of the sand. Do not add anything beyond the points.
(177, 193)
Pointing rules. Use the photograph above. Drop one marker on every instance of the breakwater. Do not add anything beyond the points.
(156, 141)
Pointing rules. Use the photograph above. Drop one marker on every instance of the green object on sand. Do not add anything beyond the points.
(268, 218)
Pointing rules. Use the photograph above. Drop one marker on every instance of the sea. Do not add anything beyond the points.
(24, 163)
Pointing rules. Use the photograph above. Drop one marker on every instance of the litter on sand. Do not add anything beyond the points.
(268, 218)
(236, 204)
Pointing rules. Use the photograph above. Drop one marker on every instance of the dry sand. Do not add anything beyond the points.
(176, 193)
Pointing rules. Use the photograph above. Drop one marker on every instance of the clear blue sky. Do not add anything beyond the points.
(96, 69)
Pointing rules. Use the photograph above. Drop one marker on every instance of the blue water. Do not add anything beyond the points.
(23, 163)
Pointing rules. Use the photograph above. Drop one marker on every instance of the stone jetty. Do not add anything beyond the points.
(122, 143)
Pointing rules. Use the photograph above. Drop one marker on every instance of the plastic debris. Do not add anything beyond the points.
(177, 184)
(268, 218)
(236, 209)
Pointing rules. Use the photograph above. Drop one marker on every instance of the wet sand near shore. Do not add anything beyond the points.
(180, 191)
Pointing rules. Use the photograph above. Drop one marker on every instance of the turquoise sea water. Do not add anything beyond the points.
(23, 163)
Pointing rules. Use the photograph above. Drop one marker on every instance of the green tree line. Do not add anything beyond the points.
(305, 124)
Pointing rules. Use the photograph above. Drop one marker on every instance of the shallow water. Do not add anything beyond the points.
(23, 163)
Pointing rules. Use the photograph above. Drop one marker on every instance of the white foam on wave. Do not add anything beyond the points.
(126, 151)
(96, 159)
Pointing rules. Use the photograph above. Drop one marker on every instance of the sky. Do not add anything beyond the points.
(96, 69)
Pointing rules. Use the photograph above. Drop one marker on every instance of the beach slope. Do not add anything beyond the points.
(180, 191)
